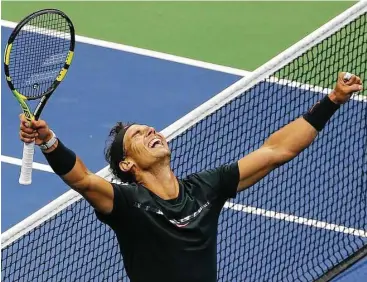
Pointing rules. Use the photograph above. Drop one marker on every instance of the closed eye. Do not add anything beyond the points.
(136, 133)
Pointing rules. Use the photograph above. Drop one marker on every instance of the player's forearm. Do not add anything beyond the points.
(292, 139)
(77, 178)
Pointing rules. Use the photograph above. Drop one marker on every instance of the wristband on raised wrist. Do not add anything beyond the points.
(321, 113)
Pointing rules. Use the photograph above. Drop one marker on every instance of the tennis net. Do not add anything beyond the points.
(297, 224)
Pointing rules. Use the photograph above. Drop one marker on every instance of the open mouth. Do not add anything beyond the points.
(155, 143)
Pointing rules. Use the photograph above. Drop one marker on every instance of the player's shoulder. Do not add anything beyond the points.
(123, 186)
(131, 191)
(214, 171)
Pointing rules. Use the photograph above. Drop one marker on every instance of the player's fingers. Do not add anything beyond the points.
(25, 139)
(28, 135)
(26, 129)
(347, 77)
(352, 80)
(24, 119)
(355, 87)
(344, 76)
(358, 80)
(26, 123)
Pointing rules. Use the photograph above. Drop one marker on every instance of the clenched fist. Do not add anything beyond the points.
(345, 87)
(37, 131)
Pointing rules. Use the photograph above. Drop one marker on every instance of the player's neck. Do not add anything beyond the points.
(161, 181)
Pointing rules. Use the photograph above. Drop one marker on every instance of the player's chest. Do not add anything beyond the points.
(193, 222)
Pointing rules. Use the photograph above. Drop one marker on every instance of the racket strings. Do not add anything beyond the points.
(38, 54)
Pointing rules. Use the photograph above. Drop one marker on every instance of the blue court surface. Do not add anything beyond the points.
(105, 86)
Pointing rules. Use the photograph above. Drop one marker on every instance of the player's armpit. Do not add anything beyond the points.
(99, 194)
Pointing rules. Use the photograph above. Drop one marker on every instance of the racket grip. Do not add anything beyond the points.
(27, 162)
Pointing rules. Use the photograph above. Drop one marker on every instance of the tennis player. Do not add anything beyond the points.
(166, 227)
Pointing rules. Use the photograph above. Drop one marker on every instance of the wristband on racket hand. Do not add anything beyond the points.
(61, 159)
(47, 145)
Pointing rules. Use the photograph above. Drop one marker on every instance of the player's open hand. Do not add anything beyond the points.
(346, 85)
(37, 131)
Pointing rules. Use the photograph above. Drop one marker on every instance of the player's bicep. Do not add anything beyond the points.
(99, 193)
(255, 166)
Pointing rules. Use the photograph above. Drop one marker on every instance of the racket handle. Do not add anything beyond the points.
(27, 162)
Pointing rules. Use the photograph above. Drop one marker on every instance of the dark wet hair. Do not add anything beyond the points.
(114, 151)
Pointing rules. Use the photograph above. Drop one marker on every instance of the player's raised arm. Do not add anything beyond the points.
(64, 162)
(292, 139)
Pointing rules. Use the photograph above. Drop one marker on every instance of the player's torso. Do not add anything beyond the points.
(177, 238)
(189, 221)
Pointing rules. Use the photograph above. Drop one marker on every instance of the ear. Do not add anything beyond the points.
(126, 165)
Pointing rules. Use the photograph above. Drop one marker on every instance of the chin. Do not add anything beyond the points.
(163, 153)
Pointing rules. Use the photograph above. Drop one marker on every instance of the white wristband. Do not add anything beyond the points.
(47, 145)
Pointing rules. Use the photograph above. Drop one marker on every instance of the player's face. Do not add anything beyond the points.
(145, 146)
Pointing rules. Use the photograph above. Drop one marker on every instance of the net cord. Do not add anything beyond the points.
(344, 265)
(199, 113)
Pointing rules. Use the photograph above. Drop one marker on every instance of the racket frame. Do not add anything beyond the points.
(28, 150)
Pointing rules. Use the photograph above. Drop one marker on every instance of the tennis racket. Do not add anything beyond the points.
(37, 57)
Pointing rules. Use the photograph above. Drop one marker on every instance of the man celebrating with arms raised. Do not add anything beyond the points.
(166, 227)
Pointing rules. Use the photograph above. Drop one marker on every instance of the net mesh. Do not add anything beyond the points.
(293, 225)
(38, 54)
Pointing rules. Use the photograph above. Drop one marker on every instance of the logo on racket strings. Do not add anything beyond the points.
(36, 78)
(55, 59)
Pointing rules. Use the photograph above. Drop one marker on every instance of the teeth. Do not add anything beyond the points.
(155, 142)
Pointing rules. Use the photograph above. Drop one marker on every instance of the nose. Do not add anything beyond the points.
(151, 130)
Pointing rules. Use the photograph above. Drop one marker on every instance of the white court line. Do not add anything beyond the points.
(145, 52)
(296, 219)
(242, 208)
(16, 161)
(311, 88)
(182, 60)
